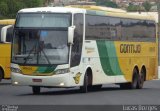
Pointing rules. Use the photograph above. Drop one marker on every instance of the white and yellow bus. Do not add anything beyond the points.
(6, 29)
(86, 47)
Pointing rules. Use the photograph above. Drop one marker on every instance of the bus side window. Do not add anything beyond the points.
(9, 34)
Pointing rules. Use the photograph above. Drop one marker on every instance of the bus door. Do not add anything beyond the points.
(76, 52)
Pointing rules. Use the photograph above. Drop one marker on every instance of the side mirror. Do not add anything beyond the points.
(4, 33)
(71, 34)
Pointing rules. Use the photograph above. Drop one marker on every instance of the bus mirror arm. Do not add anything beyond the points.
(71, 34)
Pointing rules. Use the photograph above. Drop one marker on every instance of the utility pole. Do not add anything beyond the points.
(158, 9)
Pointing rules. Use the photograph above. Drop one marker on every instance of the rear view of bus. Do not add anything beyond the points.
(6, 28)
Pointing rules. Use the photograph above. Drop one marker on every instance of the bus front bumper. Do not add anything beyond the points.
(61, 80)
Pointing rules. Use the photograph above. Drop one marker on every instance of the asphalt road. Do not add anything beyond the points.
(108, 95)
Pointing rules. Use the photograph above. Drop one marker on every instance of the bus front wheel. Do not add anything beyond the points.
(84, 88)
(36, 89)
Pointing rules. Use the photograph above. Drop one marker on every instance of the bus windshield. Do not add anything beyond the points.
(43, 20)
(40, 46)
(41, 38)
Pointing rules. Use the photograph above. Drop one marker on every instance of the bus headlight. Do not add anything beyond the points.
(16, 70)
(16, 83)
(62, 71)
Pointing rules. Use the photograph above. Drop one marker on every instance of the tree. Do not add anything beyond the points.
(132, 8)
(147, 6)
(33, 3)
(106, 3)
(3, 8)
(135, 8)
(111, 4)
(9, 8)
(13, 7)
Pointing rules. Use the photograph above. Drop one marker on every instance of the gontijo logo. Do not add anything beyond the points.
(77, 78)
(130, 48)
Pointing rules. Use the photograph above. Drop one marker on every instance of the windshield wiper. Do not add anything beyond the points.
(30, 53)
(41, 49)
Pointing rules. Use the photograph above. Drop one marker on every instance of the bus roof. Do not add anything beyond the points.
(54, 9)
(153, 14)
(7, 21)
(89, 9)
(97, 8)
(114, 12)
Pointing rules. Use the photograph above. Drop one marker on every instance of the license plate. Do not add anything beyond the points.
(37, 80)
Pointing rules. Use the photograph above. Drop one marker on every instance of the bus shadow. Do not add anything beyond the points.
(78, 92)
(61, 92)
(5, 84)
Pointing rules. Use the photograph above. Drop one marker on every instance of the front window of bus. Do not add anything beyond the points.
(41, 39)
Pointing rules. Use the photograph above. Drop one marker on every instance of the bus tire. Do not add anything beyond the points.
(1, 74)
(133, 84)
(135, 78)
(36, 89)
(141, 79)
(84, 88)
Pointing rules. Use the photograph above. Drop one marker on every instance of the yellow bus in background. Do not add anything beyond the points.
(6, 28)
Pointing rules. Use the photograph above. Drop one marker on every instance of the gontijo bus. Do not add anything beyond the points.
(6, 29)
(85, 46)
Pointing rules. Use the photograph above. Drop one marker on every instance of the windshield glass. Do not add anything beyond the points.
(40, 20)
(40, 46)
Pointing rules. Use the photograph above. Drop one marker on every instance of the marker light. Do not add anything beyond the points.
(62, 84)
(15, 83)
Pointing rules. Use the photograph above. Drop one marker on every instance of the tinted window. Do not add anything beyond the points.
(138, 30)
(43, 47)
(9, 34)
(43, 20)
(101, 27)
(78, 40)
(112, 28)
(115, 28)
(97, 27)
